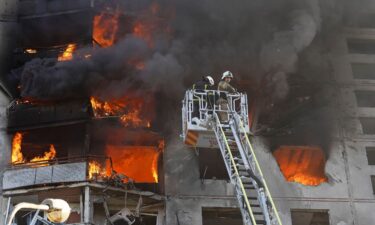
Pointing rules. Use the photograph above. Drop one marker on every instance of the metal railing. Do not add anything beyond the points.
(234, 175)
(254, 166)
(204, 103)
(103, 161)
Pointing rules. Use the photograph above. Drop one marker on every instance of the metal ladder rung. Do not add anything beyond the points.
(238, 159)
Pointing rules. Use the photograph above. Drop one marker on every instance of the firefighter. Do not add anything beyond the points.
(200, 86)
(204, 84)
(224, 87)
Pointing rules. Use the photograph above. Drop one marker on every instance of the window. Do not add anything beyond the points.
(365, 98)
(361, 46)
(370, 151)
(373, 183)
(309, 217)
(363, 71)
(221, 216)
(211, 164)
(368, 125)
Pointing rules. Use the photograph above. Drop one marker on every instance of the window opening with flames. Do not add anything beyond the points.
(302, 164)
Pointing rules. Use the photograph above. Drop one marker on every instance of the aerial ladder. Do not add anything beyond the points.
(206, 124)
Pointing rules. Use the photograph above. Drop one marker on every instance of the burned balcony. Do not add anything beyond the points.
(57, 171)
(56, 143)
(26, 114)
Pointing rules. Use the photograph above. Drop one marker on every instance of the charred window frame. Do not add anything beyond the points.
(365, 98)
(211, 164)
(368, 125)
(310, 216)
(221, 216)
(370, 152)
(373, 183)
(361, 46)
(365, 71)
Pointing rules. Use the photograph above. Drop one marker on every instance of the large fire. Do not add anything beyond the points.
(97, 170)
(150, 25)
(145, 26)
(302, 164)
(68, 53)
(140, 163)
(17, 156)
(51, 154)
(129, 110)
(105, 28)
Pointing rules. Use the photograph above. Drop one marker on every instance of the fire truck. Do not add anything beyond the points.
(207, 124)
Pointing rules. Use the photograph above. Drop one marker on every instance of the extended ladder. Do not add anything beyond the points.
(253, 195)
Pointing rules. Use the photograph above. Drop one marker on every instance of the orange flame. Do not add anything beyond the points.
(51, 154)
(140, 163)
(144, 31)
(68, 53)
(105, 28)
(96, 170)
(127, 109)
(151, 24)
(154, 168)
(17, 156)
(31, 51)
(302, 164)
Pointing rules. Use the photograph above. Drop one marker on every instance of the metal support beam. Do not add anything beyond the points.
(81, 207)
(160, 220)
(87, 206)
(4, 212)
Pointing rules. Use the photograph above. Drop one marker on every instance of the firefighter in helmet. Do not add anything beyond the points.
(201, 86)
(224, 87)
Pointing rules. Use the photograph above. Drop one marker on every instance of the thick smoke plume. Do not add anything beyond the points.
(257, 40)
(264, 43)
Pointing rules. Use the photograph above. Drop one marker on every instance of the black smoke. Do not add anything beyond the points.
(256, 40)
(267, 44)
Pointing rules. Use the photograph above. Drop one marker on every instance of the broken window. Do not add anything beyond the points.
(309, 217)
(221, 216)
(370, 152)
(363, 71)
(211, 165)
(302, 164)
(361, 46)
(365, 98)
(368, 125)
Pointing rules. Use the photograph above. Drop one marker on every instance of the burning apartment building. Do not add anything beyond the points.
(91, 95)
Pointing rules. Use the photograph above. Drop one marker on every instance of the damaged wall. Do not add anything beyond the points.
(348, 194)
(212, 48)
(8, 26)
(186, 193)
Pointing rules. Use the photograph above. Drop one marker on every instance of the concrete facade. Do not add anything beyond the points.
(348, 196)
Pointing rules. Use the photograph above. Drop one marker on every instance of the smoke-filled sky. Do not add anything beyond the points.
(258, 40)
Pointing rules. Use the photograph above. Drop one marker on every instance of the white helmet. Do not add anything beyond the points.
(227, 74)
(210, 80)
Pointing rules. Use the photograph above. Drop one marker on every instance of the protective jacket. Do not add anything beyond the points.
(225, 86)
(201, 85)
